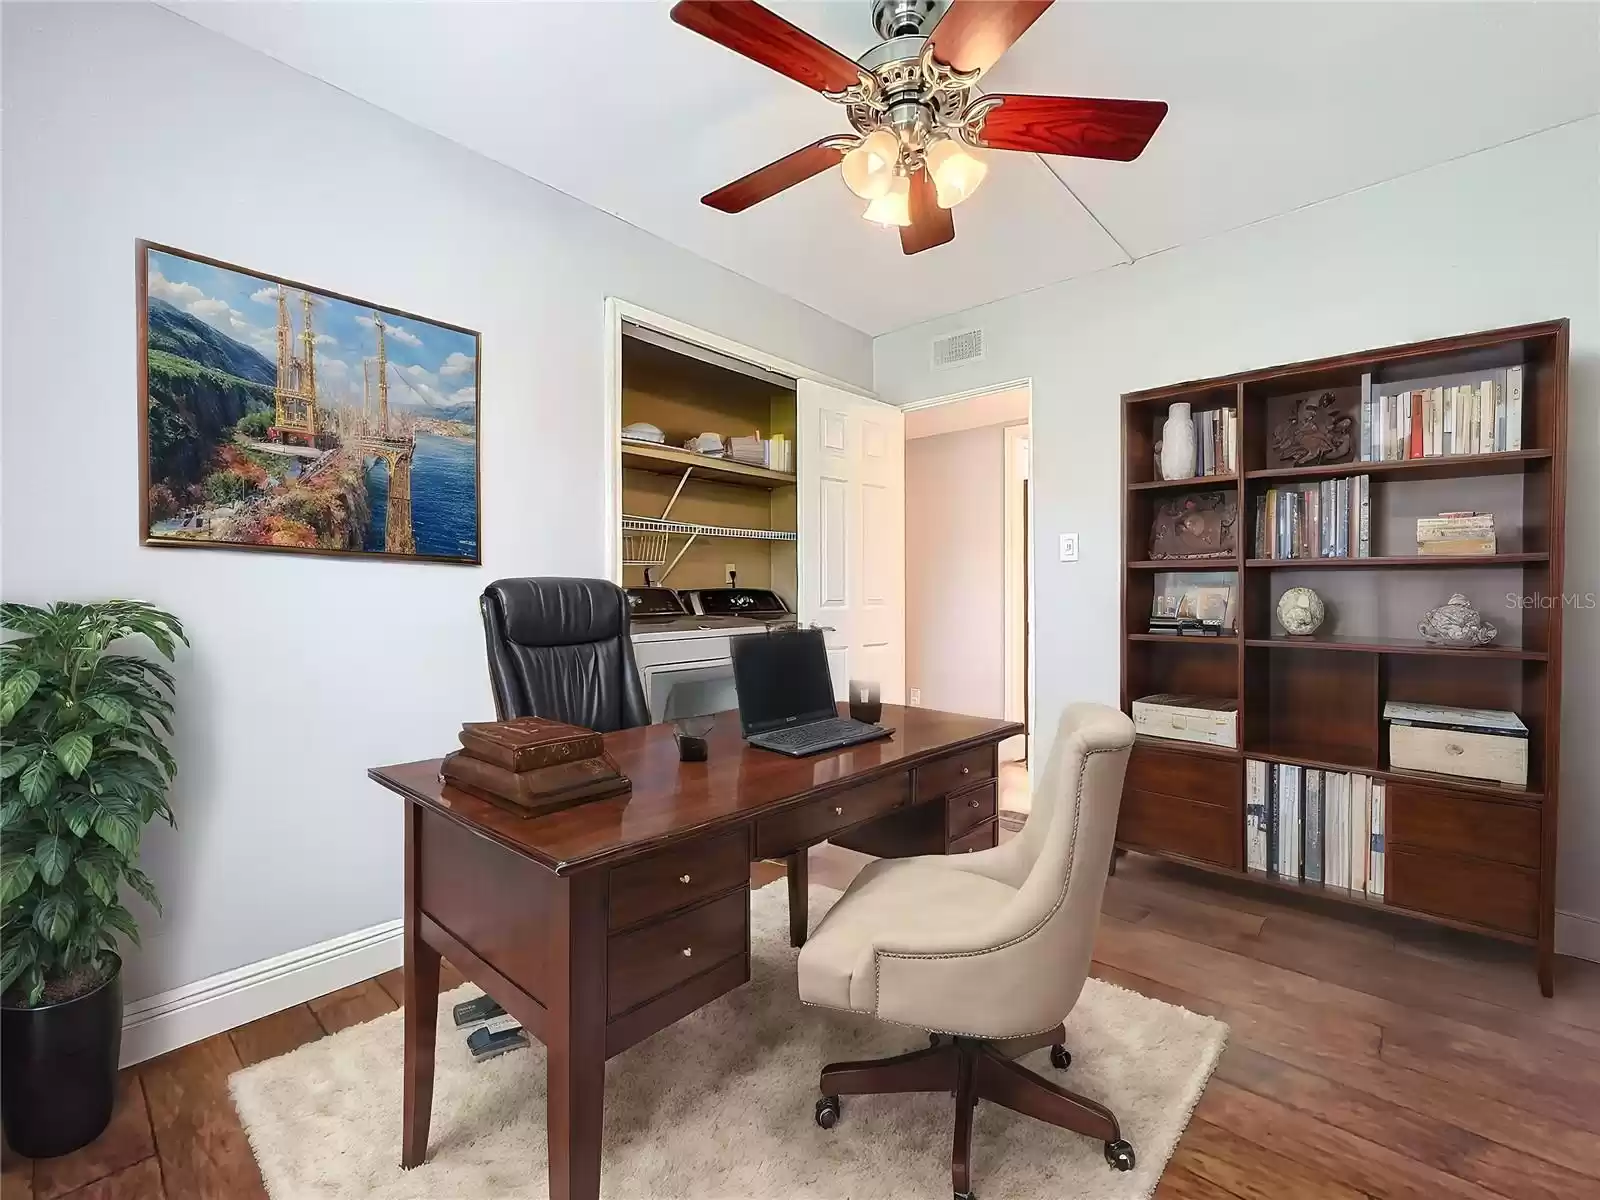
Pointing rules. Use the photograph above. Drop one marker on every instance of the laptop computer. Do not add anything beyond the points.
(786, 695)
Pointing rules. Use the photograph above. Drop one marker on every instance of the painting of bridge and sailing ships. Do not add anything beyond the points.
(277, 416)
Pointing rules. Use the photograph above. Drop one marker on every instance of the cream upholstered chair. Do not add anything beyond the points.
(986, 951)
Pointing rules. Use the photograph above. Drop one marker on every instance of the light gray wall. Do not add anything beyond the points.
(125, 121)
(955, 570)
(1503, 237)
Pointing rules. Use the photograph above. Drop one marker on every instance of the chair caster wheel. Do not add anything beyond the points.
(1060, 1057)
(828, 1112)
(1120, 1155)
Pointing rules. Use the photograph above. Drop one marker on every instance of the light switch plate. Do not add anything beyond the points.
(1069, 547)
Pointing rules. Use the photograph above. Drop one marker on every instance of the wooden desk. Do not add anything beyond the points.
(599, 925)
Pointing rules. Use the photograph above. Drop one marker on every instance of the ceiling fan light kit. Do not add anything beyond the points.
(912, 101)
(894, 206)
(869, 169)
(956, 172)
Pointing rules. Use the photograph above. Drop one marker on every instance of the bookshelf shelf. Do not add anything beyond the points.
(1464, 853)
(1195, 483)
(1199, 748)
(669, 460)
(1449, 466)
(1377, 645)
(1178, 637)
(1445, 561)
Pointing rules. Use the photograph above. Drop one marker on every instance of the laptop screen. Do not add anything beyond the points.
(782, 679)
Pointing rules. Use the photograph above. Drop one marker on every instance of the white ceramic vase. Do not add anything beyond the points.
(1177, 443)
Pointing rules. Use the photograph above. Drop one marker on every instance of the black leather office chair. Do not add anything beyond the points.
(559, 648)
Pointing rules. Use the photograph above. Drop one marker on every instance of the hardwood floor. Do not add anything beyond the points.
(1370, 1057)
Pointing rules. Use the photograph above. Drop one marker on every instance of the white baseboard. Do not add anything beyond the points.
(227, 1000)
(1578, 936)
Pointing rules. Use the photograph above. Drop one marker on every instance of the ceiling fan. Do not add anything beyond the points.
(913, 104)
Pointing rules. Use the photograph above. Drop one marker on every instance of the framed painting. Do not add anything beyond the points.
(277, 416)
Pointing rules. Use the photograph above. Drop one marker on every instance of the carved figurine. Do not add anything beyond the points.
(1200, 525)
(1456, 623)
(1317, 433)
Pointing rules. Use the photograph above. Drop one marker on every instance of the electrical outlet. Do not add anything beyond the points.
(730, 568)
(916, 697)
(1069, 547)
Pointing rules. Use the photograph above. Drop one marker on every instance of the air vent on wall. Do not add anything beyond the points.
(957, 349)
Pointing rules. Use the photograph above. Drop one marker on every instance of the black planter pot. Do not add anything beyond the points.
(58, 1082)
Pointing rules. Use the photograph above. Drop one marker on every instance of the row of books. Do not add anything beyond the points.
(1436, 422)
(1456, 533)
(1321, 826)
(1330, 519)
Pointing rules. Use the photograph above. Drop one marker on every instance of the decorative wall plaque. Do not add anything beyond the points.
(1318, 432)
(1199, 525)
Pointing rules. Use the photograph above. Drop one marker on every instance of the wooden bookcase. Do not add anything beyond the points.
(1474, 855)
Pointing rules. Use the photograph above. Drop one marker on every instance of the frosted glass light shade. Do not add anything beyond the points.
(894, 206)
(869, 169)
(956, 171)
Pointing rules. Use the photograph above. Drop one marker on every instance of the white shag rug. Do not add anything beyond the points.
(719, 1106)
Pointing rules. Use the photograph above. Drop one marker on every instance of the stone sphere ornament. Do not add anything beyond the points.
(1301, 611)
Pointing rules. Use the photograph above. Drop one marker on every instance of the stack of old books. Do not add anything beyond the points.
(1456, 534)
(532, 765)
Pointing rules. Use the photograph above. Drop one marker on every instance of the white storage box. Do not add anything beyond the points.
(1474, 743)
(1203, 719)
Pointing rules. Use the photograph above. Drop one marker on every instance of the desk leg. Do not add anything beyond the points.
(575, 1112)
(798, 868)
(575, 1064)
(421, 1013)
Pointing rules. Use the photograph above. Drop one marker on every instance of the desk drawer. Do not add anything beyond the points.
(984, 837)
(649, 961)
(969, 809)
(817, 820)
(954, 772)
(1439, 819)
(677, 877)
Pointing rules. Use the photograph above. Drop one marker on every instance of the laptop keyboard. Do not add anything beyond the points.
(821, 735)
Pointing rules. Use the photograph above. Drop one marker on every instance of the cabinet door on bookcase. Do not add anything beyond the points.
(851, 480)
(1183, 803)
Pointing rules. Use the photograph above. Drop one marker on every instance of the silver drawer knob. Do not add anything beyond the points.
(688, 952)
(966, 770)
(972, 804)
(837, 811)
(970, 849)
(683, 879)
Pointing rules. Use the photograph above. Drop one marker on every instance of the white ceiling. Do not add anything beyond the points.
(1273, 106)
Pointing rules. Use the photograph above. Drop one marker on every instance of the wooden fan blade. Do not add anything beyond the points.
(773, 178)
(760, 34)
(1117, 129)
(930, 225)
(972, 34)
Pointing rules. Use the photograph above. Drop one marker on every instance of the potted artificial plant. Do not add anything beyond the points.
(83, 769)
